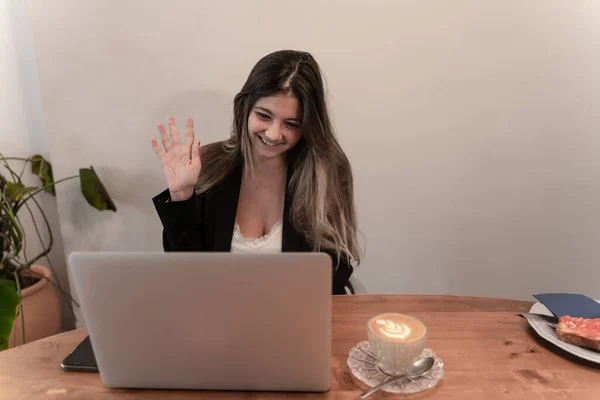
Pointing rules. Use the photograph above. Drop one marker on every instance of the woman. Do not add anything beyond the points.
(280, 183)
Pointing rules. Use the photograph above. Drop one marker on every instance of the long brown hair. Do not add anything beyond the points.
(322, 190)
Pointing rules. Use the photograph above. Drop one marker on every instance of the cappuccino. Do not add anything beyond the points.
(397, 340)
(397, 327)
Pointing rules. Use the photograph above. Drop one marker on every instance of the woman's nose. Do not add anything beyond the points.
(274, 132)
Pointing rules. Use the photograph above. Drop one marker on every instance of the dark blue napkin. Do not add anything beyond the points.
(574, 305)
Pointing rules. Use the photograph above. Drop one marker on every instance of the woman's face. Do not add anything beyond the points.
(274, 125)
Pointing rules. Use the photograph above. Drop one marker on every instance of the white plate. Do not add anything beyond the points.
(550, 335)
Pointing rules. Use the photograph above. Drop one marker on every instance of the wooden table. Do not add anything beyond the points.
(488, 352)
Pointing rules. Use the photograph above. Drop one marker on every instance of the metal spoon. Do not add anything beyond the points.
(417, 369)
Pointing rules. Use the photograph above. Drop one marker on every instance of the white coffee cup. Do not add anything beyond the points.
(397, 340)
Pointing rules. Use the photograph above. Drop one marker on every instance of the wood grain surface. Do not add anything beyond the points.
(488, 353)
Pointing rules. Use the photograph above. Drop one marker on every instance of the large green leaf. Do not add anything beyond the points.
(43, 169)
(94, 191)
(15, 191)
(9, 303)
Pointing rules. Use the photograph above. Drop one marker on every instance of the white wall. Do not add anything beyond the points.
(472, 126)
(22, 129)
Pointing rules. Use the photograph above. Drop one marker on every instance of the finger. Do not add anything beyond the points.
(165, 138)
(157, 148)
(196, 153)
(189, 131)
(174, 132)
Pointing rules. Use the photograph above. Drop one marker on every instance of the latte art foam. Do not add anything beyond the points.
(392, 329)
(397, 327)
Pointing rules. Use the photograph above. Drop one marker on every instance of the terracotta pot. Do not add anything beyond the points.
(41, 309)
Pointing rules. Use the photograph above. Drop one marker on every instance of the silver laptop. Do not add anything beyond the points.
(212, 321)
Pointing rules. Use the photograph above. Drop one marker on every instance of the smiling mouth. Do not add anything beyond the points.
(268, 143)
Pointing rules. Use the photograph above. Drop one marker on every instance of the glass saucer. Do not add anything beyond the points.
(365, 367)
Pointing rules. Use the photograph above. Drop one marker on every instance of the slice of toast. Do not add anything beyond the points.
(584, 332)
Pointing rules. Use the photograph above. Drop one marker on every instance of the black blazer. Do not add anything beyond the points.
(205, 222)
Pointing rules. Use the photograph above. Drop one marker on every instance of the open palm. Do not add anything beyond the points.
(181, 161)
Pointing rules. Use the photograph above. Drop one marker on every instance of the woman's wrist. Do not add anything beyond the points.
(181, 195)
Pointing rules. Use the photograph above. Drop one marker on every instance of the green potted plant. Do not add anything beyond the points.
(27, 291)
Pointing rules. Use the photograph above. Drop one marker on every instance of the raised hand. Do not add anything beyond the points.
(181, 161)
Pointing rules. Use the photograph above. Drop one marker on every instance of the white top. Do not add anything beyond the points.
(269, 243)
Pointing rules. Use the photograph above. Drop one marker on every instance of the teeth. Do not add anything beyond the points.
(268, 143)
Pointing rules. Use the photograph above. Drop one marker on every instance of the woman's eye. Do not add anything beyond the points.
(262, 115)
(293, 125)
